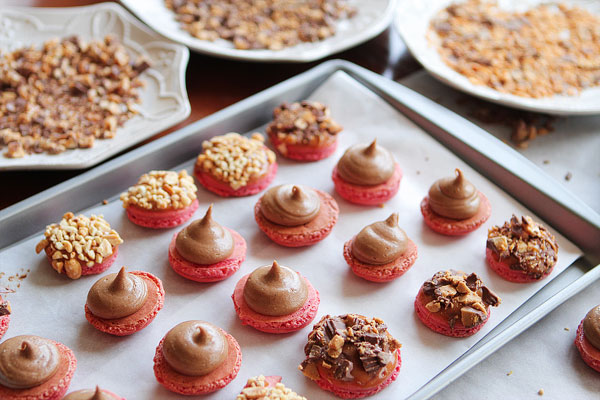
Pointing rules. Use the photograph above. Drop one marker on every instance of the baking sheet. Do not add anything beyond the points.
(56, 303)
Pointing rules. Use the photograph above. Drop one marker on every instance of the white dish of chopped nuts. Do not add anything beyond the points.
(117, 83)
(529, 54)
(347, 24)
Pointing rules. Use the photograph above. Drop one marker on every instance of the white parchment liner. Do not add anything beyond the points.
(50, 305)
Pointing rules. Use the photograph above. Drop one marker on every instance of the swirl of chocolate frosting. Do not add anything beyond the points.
(366, 164)
(591, 326)
(454, 197)
(27, 361)
(117, 295)
(380, 243)
(90, 394)
(275, 290)
(195, 348)
(290, 205)
(205, 241)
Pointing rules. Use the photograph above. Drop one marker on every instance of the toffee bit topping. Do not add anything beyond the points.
(526, 246)
(458, 296)
(306, 123)
(235, 159)
(161, 190)
(257, 388)
(4, 307)
(78, 240)
(347, 343)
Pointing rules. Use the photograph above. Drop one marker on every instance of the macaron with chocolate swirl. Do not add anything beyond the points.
(381, 251)
(206, 251)
(275, 299)
(296, 215)
(196, 357)
(92, 394)
(367, 174)
(124, 303)
(35, 368)
(588, 338)
(454, 206)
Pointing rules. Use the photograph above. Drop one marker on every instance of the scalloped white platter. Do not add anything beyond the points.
(164, 97)
(412, 21)
(372, 18)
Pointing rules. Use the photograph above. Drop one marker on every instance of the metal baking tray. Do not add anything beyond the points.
(498, 162)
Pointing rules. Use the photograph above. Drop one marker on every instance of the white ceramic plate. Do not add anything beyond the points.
(372, 18)
(164, 98)
(412, 21)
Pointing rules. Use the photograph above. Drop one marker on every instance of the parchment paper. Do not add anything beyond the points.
(50, 305)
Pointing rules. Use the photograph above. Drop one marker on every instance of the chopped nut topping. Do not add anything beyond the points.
(76, 241)
(235, 159)
(257, 388)
(265, 24)
(161, 190)
(525, 245)
(66, 94)
(306, 123)
(503, 50)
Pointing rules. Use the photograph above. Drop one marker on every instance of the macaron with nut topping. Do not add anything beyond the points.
(79, 245)
(161, 199)
(233, 165)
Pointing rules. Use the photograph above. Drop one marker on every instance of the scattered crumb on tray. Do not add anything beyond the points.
(541, 392)
(9, 283)
(568, 176)
(105, 202)
(546, 162)
(509, 373)
(567, 329)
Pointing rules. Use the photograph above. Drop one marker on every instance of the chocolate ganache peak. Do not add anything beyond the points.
(290, 205)
(366, 164)
(380, 243)
(275, 290)
(117, 295)
(591, 326)
(205, 241)
(27, 361)
(195, 348)
(454, 197)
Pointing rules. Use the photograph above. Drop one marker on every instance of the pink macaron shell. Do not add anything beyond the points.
(198, 385)
(302, 152)
(160, 219)
(456, 227)
(439, 324)
(4, 321)
(97, 268)
(141, 318)
(54, 388)
(276, 324)
(209, 273)
(385, 272)
(512, 275)
(368, 195)
(589, 353)
(304, 235)
(224, 190)
(355, 392)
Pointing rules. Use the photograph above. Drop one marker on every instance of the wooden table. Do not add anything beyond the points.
(214, 84)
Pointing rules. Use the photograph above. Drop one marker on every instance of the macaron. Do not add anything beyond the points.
(455, 304)
(587, 340)
(124, 303)
(266, 388)
(78, 245)
(195, 358)
(351, 356)
(233, 165)
(35, 368)
(205, 251)
(303, 131)
(296, 215)
(454, 206)
(161, 199)
(92, 394)
(521, 250)
(381, 251)
(5, 312)
(275, 299)
(367, 174)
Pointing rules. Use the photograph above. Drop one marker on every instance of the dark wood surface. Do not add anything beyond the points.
(213, 84)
